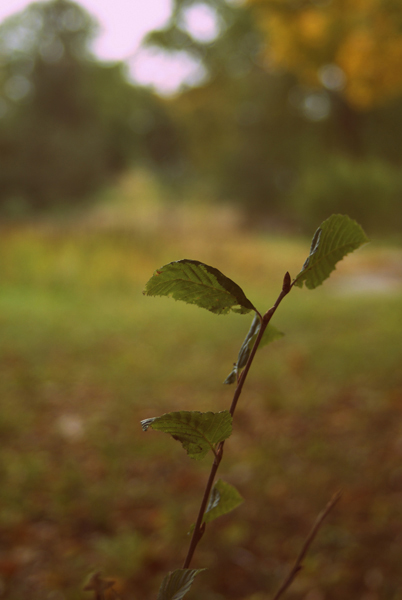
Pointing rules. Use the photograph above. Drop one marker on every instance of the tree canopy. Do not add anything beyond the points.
(350, 46)
(296, 115)
(68, 123)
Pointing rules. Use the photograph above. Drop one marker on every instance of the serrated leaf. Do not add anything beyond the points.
(198, 432)
(270, 335)
(335, 238)
(177, 583)
(224, 498)
(194, 282)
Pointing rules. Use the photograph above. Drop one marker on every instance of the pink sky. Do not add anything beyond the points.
(124, 23)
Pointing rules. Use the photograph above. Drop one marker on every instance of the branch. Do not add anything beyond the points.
(264, 320)
(309, 540)
(199, 527)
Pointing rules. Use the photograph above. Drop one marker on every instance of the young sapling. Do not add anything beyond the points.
(196, 283)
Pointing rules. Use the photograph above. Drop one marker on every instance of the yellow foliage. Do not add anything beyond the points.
(313, 26)
(361, 37)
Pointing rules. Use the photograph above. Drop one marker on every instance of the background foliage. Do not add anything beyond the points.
(299, 113)
(69, 124)
(296, 114)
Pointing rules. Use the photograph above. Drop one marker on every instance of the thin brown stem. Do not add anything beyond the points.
(309, 540)
(199, 527)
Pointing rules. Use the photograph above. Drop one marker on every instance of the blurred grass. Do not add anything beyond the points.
(84, 356)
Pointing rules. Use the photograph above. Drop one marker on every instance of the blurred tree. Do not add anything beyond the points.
(283, 111)
(67, 123)
(351, 50)
(350, 46)
(241, 134)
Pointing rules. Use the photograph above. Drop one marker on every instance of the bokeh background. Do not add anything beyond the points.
(227, 135)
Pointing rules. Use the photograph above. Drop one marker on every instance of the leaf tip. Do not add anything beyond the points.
(145, 423)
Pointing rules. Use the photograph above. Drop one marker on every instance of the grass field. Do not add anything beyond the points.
(84, 356)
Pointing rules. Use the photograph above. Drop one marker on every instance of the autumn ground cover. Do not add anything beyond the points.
(84, 357)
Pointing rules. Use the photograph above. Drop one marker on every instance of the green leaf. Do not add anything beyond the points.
(197, 283)
(224, 498)
(335, 238)
(270, 335)
(198, 432)
(177, 583)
